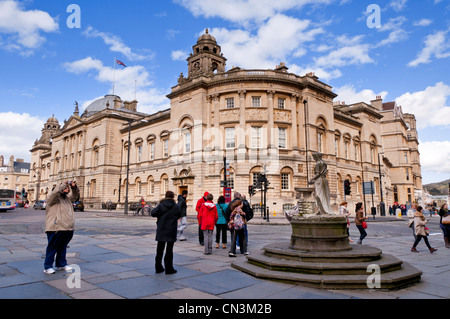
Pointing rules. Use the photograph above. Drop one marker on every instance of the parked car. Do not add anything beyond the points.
(78, 206)
(40, 204)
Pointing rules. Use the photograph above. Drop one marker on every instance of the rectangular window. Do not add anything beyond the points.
(281, 103)
(230, 103)
(256, 101)
(256, 137)
(320, 142)
(152, 151)
(166, 148)
(282, 138)
(187, 142)
(336, 147)
(230, 139)
(407, 174)
(346, 146)
(139, 153)
(356, 152)
(285, 181)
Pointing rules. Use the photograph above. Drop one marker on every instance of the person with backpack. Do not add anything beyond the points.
(237, 226)
(221, 224)
(207, 218)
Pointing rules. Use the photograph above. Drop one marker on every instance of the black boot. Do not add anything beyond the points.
(159, 268)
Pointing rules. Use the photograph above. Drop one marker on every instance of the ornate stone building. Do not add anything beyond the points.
(259, 120)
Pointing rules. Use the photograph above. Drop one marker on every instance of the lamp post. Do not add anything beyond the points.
(128, 168)
(382, 207)
(128, 162)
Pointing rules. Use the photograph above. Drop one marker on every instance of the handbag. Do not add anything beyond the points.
(446, 220)
(364, 224)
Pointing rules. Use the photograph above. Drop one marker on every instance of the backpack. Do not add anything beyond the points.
(238, 222)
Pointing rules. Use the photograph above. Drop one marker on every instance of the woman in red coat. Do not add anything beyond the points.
(207, 219)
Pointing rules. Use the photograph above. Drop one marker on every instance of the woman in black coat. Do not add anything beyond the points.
(167, 213)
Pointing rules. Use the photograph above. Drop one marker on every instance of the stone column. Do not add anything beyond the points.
(270, 123)
(294, 108)
(241, 130)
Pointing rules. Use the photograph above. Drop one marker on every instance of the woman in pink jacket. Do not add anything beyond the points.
(207, 219)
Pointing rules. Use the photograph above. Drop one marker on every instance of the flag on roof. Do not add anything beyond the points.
(120, 63)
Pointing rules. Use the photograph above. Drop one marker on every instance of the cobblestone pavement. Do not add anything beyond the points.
(115, 255)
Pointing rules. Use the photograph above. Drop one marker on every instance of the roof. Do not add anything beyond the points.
(101, 104)
(388, 106)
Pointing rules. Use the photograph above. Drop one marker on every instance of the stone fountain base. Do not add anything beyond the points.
(320, 255)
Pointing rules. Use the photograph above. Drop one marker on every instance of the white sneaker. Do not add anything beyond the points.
(49, 271)
(246, 253)
(66, 268)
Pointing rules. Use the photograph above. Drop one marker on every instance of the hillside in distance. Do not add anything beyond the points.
(441, 188)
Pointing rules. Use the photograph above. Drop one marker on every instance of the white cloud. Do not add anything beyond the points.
(423, 23)
(22, 131)
(127, 81)
(244, 11)
(23, 28)
(349, 95)
(396, 32)
(429, 106)
(179, 55)
(435, 156)
(116, 45)
(398, 5)
(436, 45)
(277, 40)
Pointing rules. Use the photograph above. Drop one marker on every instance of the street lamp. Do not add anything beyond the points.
(382, 207)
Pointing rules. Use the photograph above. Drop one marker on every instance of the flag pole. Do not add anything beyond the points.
(114, 81)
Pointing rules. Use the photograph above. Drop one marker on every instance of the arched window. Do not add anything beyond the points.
(286, 178)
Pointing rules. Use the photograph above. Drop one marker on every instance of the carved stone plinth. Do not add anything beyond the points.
(319, 233)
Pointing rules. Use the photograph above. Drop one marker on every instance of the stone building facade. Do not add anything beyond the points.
(259, 120)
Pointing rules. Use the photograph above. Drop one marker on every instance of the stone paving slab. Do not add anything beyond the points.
(120, 265)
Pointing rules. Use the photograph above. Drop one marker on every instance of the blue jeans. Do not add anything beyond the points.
(57, 245)
(362, 232)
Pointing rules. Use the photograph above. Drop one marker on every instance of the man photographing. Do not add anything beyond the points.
(59, 225)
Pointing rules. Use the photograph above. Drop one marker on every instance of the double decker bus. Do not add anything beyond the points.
(7, 199)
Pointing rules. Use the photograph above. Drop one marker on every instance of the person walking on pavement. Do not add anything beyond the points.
(411, 212)
(183, 220)
(420, 222)
(236, 225)
(443, 212)
(198, 208)
(167, 214)
(59, 225)
(344, 212)
(359, 219)
(207, 218)
(221, 224)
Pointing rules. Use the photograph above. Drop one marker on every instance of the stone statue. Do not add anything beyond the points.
(321, 188)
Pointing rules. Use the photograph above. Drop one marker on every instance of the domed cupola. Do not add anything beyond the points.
(207, 57)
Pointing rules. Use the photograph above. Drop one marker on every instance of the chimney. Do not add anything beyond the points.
(377, 103)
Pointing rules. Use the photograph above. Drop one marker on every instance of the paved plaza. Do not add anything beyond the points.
(115, 255)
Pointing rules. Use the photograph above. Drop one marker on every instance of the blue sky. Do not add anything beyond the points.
(47, 66)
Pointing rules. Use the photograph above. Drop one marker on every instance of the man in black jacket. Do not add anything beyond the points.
(167, 213)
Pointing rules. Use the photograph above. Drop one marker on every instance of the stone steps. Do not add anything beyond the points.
(386, 263)
(328, 270)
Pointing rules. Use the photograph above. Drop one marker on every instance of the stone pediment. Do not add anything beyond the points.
(72, 122)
